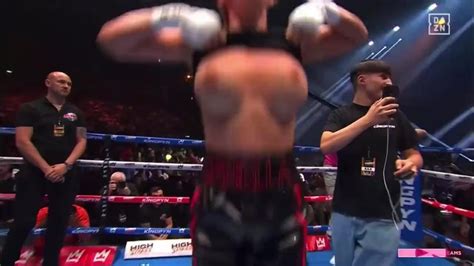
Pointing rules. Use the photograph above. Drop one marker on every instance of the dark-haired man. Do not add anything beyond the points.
(367, 135)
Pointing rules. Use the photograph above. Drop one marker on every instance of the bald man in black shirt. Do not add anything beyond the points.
(51, 136)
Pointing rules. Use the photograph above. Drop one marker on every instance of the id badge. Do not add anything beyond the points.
(367, 167)
(58, 130)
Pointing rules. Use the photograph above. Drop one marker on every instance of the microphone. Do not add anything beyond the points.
(391, 90)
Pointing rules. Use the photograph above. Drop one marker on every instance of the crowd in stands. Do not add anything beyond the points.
(127, 116)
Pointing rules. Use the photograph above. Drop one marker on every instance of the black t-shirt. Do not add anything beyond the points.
(156, 215)
(7, 207)
(365, 196)
(123, 215)
(8, 186)
(48, 123)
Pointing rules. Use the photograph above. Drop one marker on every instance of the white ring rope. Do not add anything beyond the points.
(198, 167)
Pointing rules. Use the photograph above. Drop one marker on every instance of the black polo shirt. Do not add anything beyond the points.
(156, 215)
(358, 194)
(43, 117)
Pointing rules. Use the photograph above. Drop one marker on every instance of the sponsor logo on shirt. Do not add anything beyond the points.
(70, 116)
(384, 126)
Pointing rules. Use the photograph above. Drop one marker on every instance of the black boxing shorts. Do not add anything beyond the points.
(248, 211)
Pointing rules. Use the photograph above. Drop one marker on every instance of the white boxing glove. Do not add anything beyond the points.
(199, 26)
(307, 17)
(169, 15)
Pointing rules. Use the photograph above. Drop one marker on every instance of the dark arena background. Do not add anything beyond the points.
(434, 73)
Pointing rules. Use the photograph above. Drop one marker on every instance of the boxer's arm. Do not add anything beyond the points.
(131, 38)
(331, 40)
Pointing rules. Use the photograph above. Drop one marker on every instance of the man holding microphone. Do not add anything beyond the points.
(367, 136)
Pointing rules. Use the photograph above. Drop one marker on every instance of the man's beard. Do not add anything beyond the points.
(61, 94)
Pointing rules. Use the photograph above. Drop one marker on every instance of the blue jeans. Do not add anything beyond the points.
(358, 242)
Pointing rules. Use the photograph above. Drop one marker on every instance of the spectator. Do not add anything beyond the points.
(120, 214)
(330, 160)
(464, 198)
(150, 155)
(182, 188)
(78, 218)
(157, 214)
(140, 154)
(7, 185)
(119, 187)
(192, 158)
(7, 180)
(308, 212)
(147, 179)
(140, 179)
(316, 188)
(126, 154)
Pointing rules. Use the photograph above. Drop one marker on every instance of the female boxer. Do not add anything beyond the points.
(250, 83)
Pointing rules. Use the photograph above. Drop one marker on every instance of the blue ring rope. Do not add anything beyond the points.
(200, 143)
(184, 232)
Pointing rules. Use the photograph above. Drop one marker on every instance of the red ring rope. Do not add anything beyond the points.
(145, 199)
(185, 200)
(451, 208)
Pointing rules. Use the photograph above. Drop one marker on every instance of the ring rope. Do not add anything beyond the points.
(451, 208)
(187, 200)
(198, 167)
(184, 232)
(449, 176)
(155, 166)
(149, 199)
(158, 141)
(200, 143)
(448, 241)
